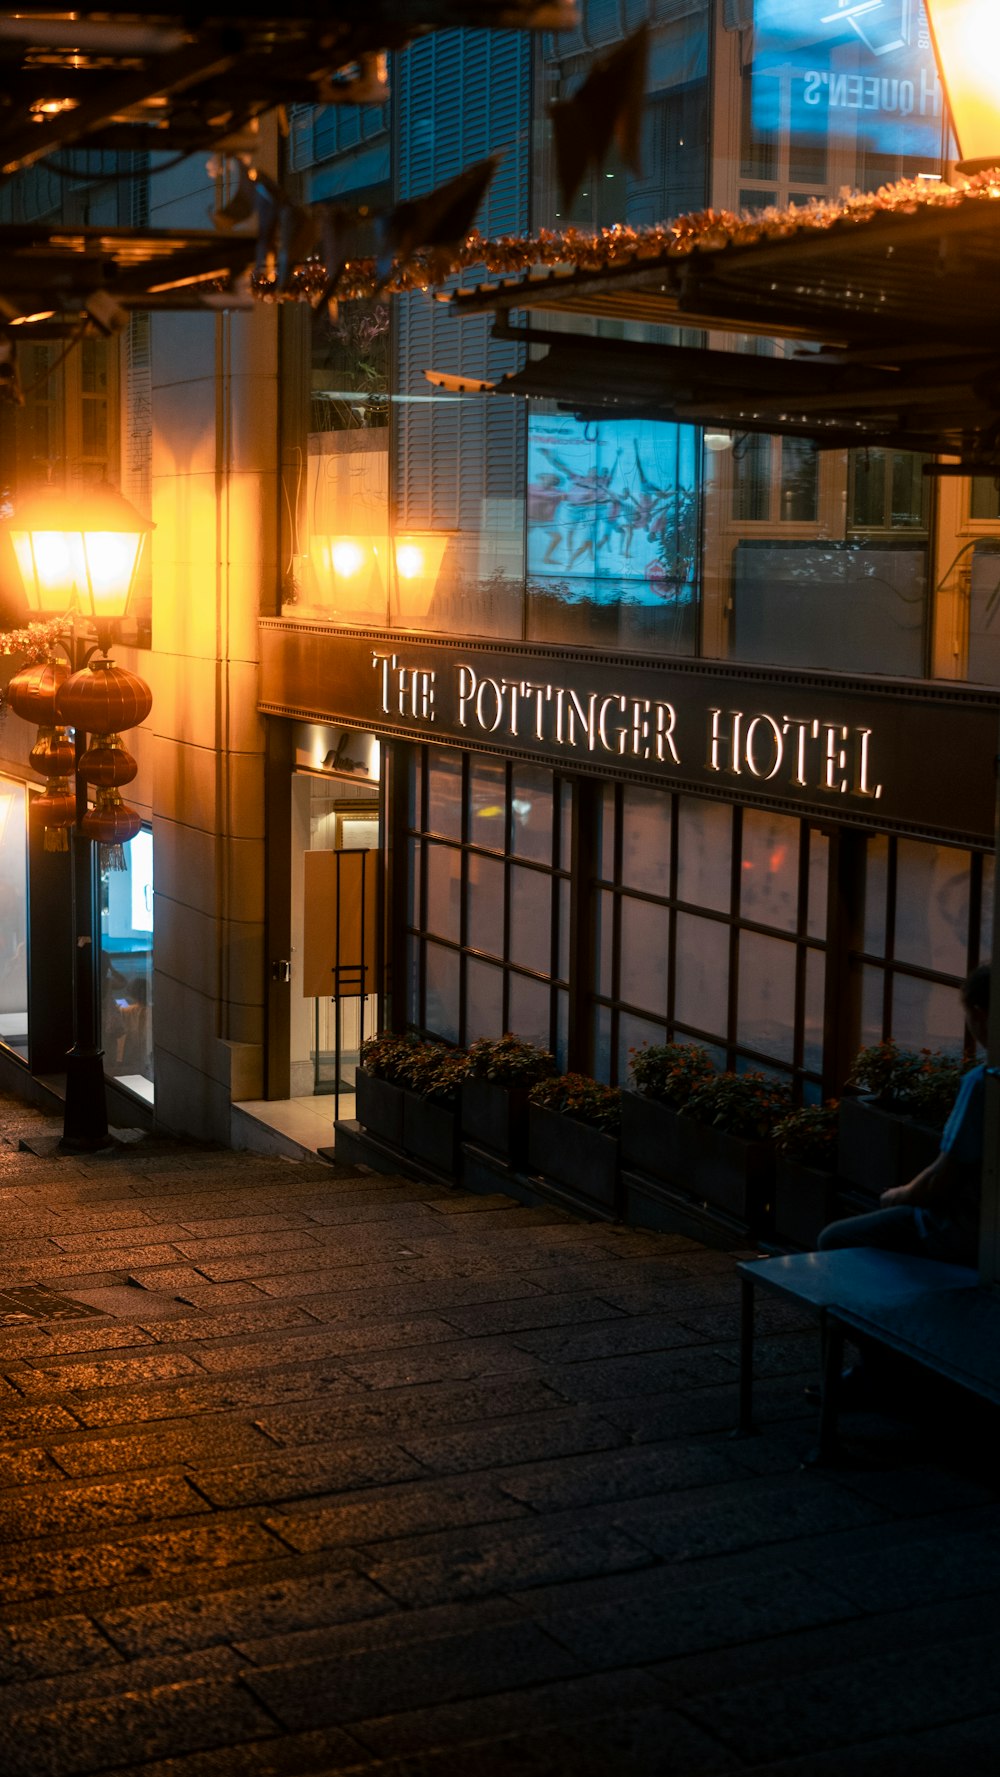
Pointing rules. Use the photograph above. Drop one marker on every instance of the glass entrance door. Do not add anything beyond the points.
(328, 816)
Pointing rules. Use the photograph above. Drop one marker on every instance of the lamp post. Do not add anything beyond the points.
(82, 564)
(966, 38)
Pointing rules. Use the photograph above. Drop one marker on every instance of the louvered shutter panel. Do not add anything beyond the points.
(458, 97)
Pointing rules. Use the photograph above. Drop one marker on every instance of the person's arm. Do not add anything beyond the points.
(928, 1187)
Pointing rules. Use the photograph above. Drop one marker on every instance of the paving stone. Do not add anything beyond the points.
(41, 1650)
(61, 1508)
(292, 1755)
(397, 1411)
(20, 1466)
(536, 1437)
(966, 1746)
(381, 1629)
(606, 1379)
(261, 1318)
(530, 1311)
(271, 1608)
(72, 1376)
(904, 1692)
(320, 1692)
(503, 1558)
(204, 1441)
(615, 1336)
(457, 1360)
(324, 1468)
(48, 1572)
(83, 1737)
(315, 1343)
(722, 1519)
(506, 1713)
(387, 1512)
(643, 1743)
(559, 1485)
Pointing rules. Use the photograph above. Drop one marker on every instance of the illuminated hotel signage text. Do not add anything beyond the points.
(776, 747)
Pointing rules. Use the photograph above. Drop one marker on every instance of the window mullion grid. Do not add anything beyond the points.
(890, 939)
(802, 948)
(736, 865)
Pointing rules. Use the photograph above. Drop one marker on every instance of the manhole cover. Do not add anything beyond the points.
(32, 1301)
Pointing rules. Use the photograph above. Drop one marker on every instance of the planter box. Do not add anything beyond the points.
(574, 1155)
(379, 1107)
(495, 1117)
(805, 1200)
(878, 1148)
(431, 1133)
(726, 1172)
(652, 1138)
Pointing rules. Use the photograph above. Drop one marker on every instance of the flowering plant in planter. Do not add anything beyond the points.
(809, 1135)
(914, 1083)
(436, 1072)
(670, 1072)
(745, 1105)
(577, 1095)
(388, 1056)
(509, 1061)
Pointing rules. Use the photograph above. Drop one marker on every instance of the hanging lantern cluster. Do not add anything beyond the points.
(101, 700)
(32, 695)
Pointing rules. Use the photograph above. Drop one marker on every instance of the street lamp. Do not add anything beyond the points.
(966, 38)
(81, 564)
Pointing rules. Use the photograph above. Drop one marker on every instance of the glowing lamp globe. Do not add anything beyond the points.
(83, 553)
(966, 38)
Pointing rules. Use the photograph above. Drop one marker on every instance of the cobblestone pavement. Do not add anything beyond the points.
(333, 1472)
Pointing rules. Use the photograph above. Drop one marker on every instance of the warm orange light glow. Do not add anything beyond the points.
(348, 557)
(81, 554)
(966, 37)
(418, 558)
(410, 560)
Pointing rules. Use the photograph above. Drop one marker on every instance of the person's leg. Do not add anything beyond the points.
(896, 1230)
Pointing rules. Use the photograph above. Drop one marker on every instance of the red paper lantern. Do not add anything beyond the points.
(57, 808)
(107, 762)
(53, 754)
(104, 698)
(32, 692)
(111, 822)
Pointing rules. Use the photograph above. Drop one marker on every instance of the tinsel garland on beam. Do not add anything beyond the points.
(704, 230)
(34, 642)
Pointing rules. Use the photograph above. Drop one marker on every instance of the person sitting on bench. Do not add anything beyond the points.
(936, 1215)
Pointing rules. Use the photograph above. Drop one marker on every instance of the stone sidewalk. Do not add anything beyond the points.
(332, 1472)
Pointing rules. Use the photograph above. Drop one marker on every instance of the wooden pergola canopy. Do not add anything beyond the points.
(93, 277)
(888, 328)
(178, 79)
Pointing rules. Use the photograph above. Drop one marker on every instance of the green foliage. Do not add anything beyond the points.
(509, 1060)
(921, 1083)
(577, 1095)
(670, 1072)
(426, 1067)
(388, 1056)
(746, 1105)
(809, 1135)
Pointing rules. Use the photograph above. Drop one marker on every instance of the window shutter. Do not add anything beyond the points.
(459, 97)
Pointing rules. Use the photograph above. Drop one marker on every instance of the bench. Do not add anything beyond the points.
(938, 1315)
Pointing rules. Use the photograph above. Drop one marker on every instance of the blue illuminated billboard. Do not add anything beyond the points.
(612, 510)
(861, 70)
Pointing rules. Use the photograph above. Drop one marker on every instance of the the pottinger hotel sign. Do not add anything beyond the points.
(918, 757)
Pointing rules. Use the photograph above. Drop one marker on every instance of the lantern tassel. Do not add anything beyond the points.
(113, 857)
(55, 839)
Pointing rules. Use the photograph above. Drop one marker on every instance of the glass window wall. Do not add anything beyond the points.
(126, 903)
(13, 918)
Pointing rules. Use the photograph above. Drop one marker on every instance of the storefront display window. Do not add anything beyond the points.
(488, 940)
(13, 918)
(127, 967)
(927, 919)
